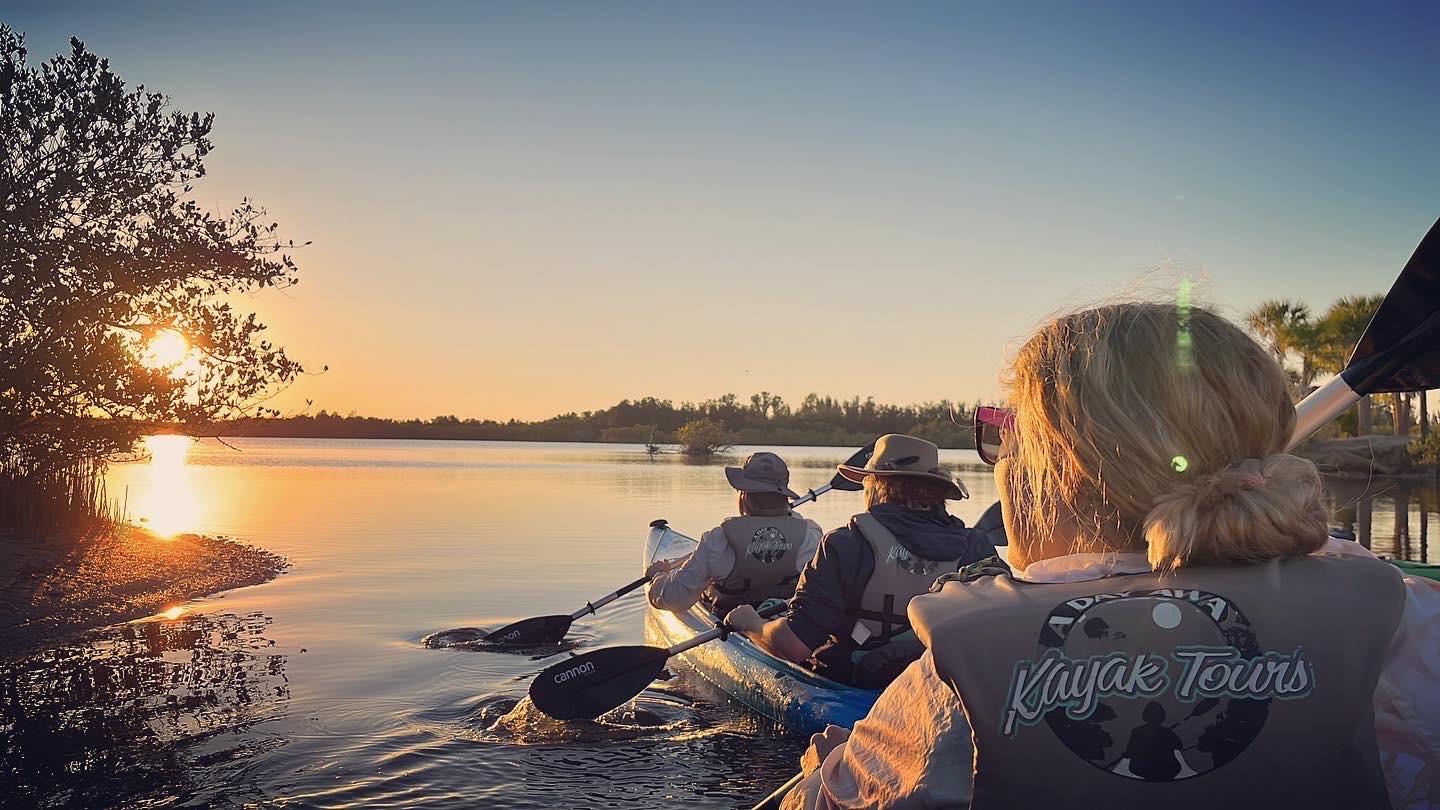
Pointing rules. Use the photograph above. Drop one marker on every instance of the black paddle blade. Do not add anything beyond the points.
(539, 630)
(861, 456)
(1400, 349)
(594, 683)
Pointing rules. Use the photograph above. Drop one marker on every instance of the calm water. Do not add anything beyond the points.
(315, 689)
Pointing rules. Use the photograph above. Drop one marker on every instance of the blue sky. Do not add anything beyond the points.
(524, 208)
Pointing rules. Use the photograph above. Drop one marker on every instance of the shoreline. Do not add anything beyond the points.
(53, 590)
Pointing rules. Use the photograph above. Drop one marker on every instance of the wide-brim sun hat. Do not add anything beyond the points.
(761, 472)
(905, 456)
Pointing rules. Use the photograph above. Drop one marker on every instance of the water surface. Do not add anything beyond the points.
(315, 689)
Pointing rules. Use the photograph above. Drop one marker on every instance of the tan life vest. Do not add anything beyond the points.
(1247, 685)
(899, 576)
(765, 551)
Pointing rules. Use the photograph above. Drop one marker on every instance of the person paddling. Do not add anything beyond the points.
(1177, 627)
(847, 620)
(746, 559)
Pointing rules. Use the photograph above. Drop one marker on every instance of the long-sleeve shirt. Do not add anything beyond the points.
(712, 561)
(914, 748)
(831, 586)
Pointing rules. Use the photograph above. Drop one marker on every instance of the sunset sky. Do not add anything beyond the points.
(520, 209)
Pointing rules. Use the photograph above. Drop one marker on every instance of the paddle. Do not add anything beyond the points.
(588, 685)
(840, 482)
(551, 629)
(772, 802)
(1399, 351)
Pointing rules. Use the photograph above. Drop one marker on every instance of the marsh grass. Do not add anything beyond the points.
(68, 502)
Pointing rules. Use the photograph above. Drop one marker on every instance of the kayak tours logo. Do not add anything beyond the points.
(768, 545)
(1144, 715)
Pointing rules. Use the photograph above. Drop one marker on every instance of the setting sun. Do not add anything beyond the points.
(167, 349)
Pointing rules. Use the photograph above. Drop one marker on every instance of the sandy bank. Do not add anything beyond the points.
(49, 591)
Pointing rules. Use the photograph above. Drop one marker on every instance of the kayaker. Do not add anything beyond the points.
(847, 620)
(1175, 608)
(746, 559)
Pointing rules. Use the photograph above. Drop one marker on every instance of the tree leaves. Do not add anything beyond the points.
(100, 248)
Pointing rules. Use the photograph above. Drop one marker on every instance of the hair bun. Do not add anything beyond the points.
(1243, 476)
(1253, 510)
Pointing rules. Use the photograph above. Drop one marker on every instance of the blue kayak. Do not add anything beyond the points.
(774, 688)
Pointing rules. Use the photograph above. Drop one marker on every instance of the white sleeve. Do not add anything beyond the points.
(912, 750)
(1407, 700)
(813, 533)
(681, 587)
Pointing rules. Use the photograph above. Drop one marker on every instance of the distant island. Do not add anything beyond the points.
(762, 419)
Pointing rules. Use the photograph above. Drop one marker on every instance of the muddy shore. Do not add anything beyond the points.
(50, 591)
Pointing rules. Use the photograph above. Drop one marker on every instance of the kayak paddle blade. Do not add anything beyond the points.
(586, 686)
(861, 456)
(1400, 349)
(539, 630)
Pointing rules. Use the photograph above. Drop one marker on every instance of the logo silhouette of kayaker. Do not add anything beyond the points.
(1153, 751)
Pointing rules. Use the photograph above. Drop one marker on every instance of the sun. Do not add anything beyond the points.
(166, 350)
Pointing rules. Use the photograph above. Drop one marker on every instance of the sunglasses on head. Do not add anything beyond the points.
(991, 424)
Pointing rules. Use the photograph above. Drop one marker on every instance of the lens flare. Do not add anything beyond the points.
(1184, 352)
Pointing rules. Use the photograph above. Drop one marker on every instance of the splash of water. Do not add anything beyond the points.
(520, 722)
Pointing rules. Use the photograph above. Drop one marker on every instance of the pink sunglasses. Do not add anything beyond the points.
(991, 424)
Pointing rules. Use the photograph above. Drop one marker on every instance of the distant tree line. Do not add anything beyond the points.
(764, 418)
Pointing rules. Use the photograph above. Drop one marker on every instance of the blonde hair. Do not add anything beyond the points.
(1162, 429)
(920, 494)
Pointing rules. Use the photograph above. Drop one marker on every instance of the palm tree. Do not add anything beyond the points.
(1286, 327)
(1336, 334)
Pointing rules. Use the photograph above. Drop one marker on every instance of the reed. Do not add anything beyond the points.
(66, 501)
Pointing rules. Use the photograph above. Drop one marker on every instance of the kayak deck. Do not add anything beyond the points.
(774, 688)
(1417, 569)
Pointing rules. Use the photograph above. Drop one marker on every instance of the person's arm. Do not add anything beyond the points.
(774, 636)
(676, 589)
(1407, 698)
(830, 581)
(817, 611)
(913, 749)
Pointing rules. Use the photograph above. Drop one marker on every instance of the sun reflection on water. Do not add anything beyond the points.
(169, 502)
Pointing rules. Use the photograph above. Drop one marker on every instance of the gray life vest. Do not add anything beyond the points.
(765, 557)
(1251, 686)
(899, 576)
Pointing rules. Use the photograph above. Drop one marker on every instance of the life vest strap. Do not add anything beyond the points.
(892, 624)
